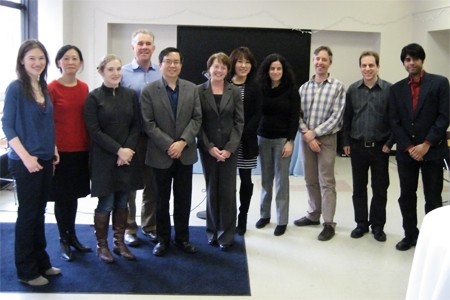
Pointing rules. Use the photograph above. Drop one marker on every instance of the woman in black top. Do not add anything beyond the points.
(112, 119)
(276, 134)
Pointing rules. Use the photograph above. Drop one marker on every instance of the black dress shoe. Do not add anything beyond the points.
(213, 243)
(359, 232)
(131, 239)
(224, 247)
(160, 249)
(305, 222)
(186, 247)
(379, 235)
(280, 230)
(406, 243)
(262, 222)
(151, 235)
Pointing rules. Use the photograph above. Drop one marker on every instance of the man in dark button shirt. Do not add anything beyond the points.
(367, 140)
(419, 118)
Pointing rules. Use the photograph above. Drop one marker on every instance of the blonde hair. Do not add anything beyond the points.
(105, 60)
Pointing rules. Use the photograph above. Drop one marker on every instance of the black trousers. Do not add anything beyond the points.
(373, 158)
(33, 192)
(432, 180)
(181, 176)
(220, 179)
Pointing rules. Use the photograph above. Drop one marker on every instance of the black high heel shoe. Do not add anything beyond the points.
(66, 253)
(74, 242)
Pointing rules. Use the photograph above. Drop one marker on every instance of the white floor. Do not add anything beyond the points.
(295, 265)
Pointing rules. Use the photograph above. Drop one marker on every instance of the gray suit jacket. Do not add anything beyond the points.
(222, 127)
(163, 128)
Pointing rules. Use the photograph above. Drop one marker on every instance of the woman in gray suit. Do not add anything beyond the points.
(218, 140)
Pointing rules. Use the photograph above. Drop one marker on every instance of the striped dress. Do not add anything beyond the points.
(243, 163)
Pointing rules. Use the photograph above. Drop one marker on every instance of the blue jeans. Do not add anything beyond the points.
(273, 166)
(33, 192)
(113, 201)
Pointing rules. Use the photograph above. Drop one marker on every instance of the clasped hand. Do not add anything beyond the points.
(125, 155)
(220, 155)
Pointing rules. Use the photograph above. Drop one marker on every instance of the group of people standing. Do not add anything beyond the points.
(142, 127)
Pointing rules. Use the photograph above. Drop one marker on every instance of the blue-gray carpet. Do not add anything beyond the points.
(208, 272)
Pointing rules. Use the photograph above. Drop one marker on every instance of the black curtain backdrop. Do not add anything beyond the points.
(197, 43)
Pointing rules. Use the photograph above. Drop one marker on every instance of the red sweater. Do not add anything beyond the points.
(68, 102)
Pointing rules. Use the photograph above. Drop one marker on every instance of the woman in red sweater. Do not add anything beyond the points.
(71, 179)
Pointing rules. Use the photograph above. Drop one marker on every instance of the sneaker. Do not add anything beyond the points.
(305, 222)
(40, 281)
(280, 230)
(359, 232)
(262, 222)
(53, 271)
(327, 233)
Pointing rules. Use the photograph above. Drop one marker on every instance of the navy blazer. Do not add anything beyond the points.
(221, 127)
(430, 120)
(163, 128)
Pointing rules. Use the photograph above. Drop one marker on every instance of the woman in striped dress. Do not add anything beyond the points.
(243, 67)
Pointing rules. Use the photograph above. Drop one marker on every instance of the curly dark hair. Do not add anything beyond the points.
(287, 79)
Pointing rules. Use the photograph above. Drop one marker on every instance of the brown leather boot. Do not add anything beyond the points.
(101, 224)
(120, 216)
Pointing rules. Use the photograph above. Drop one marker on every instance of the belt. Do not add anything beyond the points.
(367, 144)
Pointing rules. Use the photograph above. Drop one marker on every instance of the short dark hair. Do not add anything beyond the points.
(414, 50)
(245, 53)
(166, 51)
(63, 51)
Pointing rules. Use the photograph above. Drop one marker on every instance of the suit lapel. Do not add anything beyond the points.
(165, 101)
(424, 88)
(226, 97)
(207, 92)
(181, 93)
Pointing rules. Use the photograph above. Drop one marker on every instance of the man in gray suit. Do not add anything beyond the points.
(172, 118)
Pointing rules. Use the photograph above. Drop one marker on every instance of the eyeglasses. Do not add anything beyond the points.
(170, 62)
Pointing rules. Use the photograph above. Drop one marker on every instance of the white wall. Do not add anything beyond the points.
(348, 27)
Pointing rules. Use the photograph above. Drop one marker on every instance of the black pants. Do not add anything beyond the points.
(432, 180)
(181, 175)
(33, 192)
(363, 159)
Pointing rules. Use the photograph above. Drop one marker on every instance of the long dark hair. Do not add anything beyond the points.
(287, 79)
(22, 74)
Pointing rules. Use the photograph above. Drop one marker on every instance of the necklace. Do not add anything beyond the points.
(39, 96)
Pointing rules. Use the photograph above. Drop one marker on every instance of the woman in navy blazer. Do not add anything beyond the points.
(218, 140)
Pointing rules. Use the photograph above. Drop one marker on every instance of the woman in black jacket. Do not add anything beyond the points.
(112, 119)
(243, 68)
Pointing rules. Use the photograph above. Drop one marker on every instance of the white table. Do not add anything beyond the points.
(430, 272)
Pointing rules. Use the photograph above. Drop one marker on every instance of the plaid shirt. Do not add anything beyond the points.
(322, 106)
